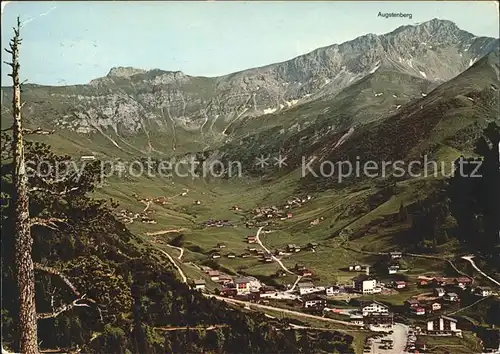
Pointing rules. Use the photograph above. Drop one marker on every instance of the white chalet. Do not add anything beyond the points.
(374, 307)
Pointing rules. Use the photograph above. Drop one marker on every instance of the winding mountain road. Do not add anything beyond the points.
(294, 284)
(469, 259)
(180, 249)
(147, 205)
(468, 307)
(254, 305)
(257, 237)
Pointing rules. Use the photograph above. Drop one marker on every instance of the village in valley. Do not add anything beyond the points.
(400, 308)
(438, 297)
(315, 179)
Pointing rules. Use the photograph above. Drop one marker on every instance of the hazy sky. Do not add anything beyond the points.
(74, 42)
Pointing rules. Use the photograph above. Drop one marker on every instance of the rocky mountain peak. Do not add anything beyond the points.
(172, 102)
(125, 71)
(436, 31)
(437, 24)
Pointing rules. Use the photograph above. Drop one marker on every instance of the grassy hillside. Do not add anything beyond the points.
(443, 123)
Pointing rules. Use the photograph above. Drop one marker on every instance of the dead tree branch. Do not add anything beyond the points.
(66, 191)
(57, 273)
(62, 350)
(75, 303)
(51, 223)
(38, 131)
(63, 308)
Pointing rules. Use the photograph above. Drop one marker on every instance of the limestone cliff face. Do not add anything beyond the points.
(134, 101)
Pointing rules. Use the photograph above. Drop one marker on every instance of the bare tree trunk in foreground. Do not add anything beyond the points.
(28, 343)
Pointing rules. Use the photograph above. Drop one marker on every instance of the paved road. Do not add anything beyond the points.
(469, 258)
(399, 338)
(295, 313)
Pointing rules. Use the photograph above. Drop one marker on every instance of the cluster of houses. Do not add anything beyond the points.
(393, 266)
(435, 281)
(281, 213)
(296, 202)
(129, 217)
(235, 286)
(217, 254)
(267, 257)
(419, 308)
(158, 200)
(444, 293)
(251, 251)
(293, 248)
(231, 286)
(217, 223)
(272, 212)
(377, 314)
(373, 315)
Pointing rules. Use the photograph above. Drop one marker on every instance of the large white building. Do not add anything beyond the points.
(305, 288)
(443, 325)
(365, 285)
(374, 307)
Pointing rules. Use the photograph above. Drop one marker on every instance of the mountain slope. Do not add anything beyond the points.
(154, 112)
(450, 116)
(129, 300)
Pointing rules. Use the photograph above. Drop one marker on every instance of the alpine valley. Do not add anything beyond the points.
(258, 251)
